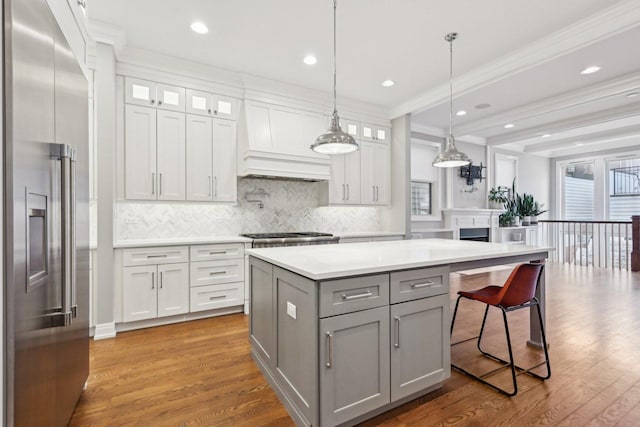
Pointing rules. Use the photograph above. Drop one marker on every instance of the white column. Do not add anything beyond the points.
(105, 81)
(398, 216)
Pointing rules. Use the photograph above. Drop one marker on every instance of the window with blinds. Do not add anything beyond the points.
(421, 198)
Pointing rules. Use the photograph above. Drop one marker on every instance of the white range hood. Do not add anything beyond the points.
(274, 141)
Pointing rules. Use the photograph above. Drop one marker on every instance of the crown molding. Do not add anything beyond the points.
(620, 17)
(103, 32)
(578, 97)
(597, 117)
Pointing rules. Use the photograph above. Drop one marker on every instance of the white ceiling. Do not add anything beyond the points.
(403, 40)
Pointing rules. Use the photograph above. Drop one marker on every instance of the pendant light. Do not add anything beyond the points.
(335, 141)
(451, 157)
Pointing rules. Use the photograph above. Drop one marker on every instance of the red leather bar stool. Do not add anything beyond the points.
(518, 292)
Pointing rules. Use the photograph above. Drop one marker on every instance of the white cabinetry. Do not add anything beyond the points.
(374, 133)
(140, 153)
(154, 154)
(344, 187)
(375, 167)
(217, 276)
(526, 235)
(154, 284)
(207, 104)
(211, 159)
(275, 140)
(152, 94)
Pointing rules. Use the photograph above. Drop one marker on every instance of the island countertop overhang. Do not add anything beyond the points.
(324, 262)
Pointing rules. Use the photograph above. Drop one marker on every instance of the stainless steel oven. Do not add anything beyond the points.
(271, 240)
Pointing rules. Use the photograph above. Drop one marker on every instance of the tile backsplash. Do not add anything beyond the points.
(287, 206)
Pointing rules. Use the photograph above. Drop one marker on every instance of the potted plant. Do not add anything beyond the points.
(525, 205)
(506, 219)
(537, 210)
(498, 197)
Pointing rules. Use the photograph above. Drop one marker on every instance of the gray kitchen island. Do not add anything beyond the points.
(345, 332)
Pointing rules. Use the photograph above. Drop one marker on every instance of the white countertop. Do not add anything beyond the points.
(143, 243)
(321, 262)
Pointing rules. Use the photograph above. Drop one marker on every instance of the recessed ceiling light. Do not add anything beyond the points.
(578, 144)
(388, 83)
(546, 135)
(590, 70)
(461, 113)
(199, 27)
(310, 60)
(509, 125)
(632, 94)
(482, 106)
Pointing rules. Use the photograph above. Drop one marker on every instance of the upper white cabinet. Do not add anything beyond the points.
(140, 153)
(212, 105)
(211, 159)
(171, 155)
(375, 176)
(276, 140)
(374, 133)
(344, 186)
(154, 154)
(151, 94)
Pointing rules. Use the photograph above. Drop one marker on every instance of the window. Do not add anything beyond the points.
(578, 190)
(624, 189)
(425, 204)
(421, 198)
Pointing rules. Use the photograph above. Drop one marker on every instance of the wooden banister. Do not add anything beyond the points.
(635, 251)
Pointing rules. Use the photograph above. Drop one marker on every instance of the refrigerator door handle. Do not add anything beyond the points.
(74, 264)
(69, 307)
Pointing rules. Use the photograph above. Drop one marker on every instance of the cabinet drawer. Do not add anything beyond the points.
(151, 256)
(217, 296)
(359, 293)
(216, 272)
(415, 284)
(217, 251)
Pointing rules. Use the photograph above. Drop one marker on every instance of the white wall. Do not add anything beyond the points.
(460, 197)
(534, 177)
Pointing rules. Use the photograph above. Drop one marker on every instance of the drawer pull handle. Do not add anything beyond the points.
(428, 284)
(218, 253)
(213, 273)
(329, 364)
(356, 296)
(397, 343)
(156, 256)
(217, 297)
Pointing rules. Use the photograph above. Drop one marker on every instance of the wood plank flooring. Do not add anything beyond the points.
(200, 373)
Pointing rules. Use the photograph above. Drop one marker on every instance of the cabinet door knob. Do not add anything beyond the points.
(209, 110)
(82, 3)
(153, 101)
(159, 102)
(215, 112)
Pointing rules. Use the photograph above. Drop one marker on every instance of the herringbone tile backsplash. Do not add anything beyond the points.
(289, 206)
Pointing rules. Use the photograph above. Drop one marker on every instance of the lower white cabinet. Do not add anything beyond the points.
(151, 291)
(216, 296)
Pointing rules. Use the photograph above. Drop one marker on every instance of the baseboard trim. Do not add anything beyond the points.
(104, 331)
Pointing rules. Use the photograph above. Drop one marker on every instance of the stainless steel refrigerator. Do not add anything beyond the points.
(46, 219)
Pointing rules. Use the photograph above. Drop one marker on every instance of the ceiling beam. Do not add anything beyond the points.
(620, 17)
(572, 99)
(621, 112)
(594, 137)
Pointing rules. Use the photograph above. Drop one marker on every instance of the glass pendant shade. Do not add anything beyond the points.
(335, 141)
(451, 157)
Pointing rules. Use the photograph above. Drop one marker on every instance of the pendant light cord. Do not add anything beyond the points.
(451, 86)
(335, 108)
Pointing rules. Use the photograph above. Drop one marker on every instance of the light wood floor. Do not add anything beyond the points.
(200, 373)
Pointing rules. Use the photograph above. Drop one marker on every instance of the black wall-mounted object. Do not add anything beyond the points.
(471, 172)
